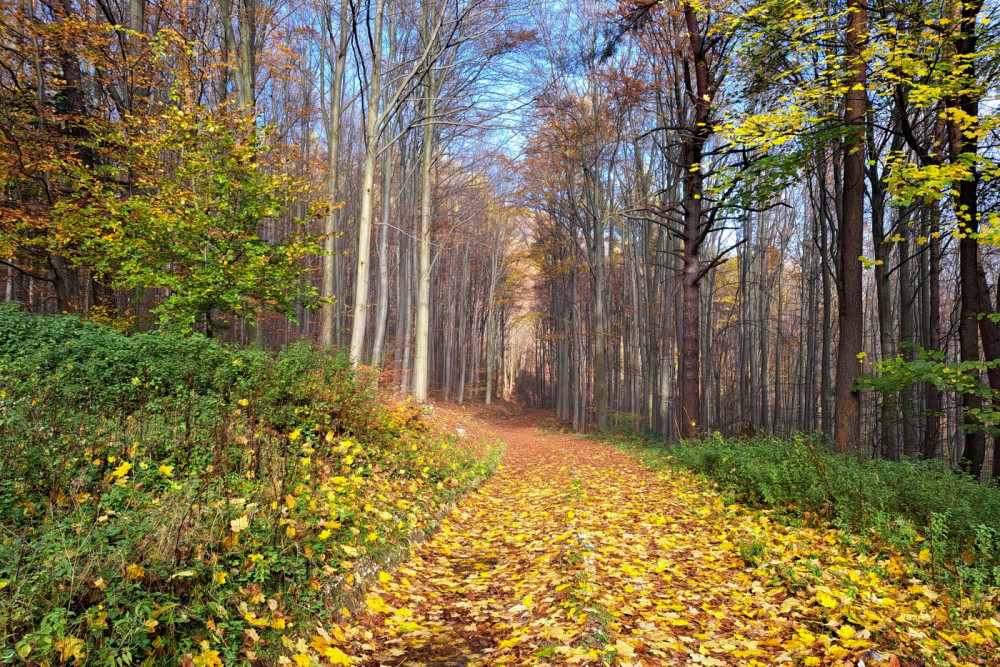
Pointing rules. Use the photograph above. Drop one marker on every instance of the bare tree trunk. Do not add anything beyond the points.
(463, 324)
(372, 127)
(907, 336)
(575, 367)
(330, 220)
(886, 330)
(932, 427)
(382, 314)
(694, 228)
(964, 144)
(851, 309)
(420, 362)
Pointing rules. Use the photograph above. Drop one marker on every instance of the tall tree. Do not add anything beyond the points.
(850, 234)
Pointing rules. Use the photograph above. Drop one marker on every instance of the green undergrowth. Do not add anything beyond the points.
(165, 496)
(947, 523)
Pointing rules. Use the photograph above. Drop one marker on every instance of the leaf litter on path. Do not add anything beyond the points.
(575, 553)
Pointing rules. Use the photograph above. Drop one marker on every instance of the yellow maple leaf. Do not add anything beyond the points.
(826, 599)
(208, 658)
(336, 656)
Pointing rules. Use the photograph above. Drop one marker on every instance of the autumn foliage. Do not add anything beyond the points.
(167, 496)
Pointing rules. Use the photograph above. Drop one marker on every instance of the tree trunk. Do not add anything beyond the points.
(693, 231)
(330, 220)
(963, 145)
(850, 315)
(382, 314)
(932, 427)
(420, 361)
(372, 126)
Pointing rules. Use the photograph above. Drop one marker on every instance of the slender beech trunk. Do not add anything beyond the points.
(372, 127)
(932, 426)
(886, 327)
(420, 361)
(382, 313)
(463, 326)
(908, 339)
(330, 221)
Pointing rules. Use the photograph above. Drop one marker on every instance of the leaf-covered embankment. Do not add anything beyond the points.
(164, 496)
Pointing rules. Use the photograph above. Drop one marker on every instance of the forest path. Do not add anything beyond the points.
(575, 553)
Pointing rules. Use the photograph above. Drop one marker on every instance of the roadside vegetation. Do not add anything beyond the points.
(947, 523)
(166, 496)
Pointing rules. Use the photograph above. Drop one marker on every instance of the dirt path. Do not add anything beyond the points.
(574, 553)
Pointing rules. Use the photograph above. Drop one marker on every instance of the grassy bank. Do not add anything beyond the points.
(945, 521)
(164, 496)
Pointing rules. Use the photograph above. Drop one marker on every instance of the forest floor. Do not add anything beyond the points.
(575, 553)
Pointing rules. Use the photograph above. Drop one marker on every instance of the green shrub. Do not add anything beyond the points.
(164, 495)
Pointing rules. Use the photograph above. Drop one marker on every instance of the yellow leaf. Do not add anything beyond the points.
(336, 656)
(826, 599)
(70, 648)
(166, 471)
(378, 605)
(241, 523)
(924, 555)
(208, 658)
(624, 649)
(383, 576)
